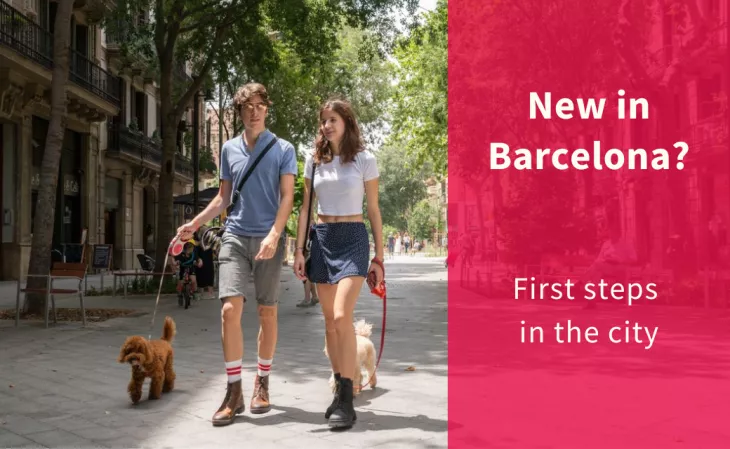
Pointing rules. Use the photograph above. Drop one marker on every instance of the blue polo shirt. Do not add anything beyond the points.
(255, 213)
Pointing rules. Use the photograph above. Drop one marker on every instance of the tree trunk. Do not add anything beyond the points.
(40, 253)
(165, 225)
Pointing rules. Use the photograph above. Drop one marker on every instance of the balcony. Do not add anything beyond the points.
(134, 146)
(95, 10)
(26, 38)
(115, 38)
(707, 139)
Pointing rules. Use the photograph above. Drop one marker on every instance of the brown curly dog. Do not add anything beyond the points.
(150, 358)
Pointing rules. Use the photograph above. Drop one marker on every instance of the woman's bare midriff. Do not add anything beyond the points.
(340, 218)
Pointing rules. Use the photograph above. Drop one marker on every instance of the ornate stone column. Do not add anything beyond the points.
(23, 231)
(91, 190)
(137, 214)
(126, 210)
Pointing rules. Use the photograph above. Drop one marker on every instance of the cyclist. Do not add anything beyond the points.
(188, 261)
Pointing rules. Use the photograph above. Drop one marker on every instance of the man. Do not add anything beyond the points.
(252, 244)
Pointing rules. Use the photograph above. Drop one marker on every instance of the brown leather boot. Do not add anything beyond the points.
(232, 405)
(260, 399)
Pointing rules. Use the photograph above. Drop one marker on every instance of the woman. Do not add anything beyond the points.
(343, 173)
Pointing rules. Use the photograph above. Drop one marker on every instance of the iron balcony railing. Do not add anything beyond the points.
(32, 41)
(95, 79)
(135, 144)
(183, 166)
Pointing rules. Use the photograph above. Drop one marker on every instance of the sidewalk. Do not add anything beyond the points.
(62, 386)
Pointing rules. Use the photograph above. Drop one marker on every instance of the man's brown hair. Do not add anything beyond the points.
(248, 91)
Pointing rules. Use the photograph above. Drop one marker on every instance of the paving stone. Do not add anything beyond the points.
(60, 438)
(10, 439)
(70, 391)
(23, 425)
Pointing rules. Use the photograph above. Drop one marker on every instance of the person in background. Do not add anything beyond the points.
(206, 273)
(188, 261)
(310, 295)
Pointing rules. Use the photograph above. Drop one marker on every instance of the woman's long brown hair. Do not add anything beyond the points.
(351, 140)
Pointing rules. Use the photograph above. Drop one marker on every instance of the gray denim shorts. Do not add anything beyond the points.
(237, 265)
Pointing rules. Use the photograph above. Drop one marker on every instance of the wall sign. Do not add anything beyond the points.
(70, 185)
(35, 180)
(102, 257)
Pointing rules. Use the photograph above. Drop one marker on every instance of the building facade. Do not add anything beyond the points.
(690, 209)
(111, 153)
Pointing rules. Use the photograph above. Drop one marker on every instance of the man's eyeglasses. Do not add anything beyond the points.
(249, 107)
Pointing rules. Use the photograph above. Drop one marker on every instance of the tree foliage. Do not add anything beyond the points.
(532, 47)
(420, 109)
(423, 220)
(401, 185)
(249, 39)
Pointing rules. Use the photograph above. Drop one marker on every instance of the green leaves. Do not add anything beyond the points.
(420, 112)
(424, 220)
(401, 185)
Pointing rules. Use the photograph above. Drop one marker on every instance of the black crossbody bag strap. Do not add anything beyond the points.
(307, 242)
(237, 192)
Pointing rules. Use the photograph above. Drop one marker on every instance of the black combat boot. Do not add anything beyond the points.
(344, 414)
(336, 399)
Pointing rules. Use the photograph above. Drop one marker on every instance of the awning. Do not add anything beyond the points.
(204, 197)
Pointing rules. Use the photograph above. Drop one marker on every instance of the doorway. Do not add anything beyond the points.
(148, 220)
(113, 234)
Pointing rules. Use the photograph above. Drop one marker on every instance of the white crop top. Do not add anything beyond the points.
(340, 188)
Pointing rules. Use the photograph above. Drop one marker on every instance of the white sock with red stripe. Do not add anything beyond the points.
(233, 369)
(264, 367)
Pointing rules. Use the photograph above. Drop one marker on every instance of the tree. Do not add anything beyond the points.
(211, 35)
(529, 50)
(206, 161)
(401, 184)
(40, 251)
(420, 110)
(423, 220)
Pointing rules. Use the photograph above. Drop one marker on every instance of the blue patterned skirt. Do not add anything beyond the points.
(338, 250)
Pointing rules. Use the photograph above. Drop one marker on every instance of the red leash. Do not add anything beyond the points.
(380, 291)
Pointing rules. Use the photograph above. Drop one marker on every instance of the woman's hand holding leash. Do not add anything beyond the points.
(376, 277)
